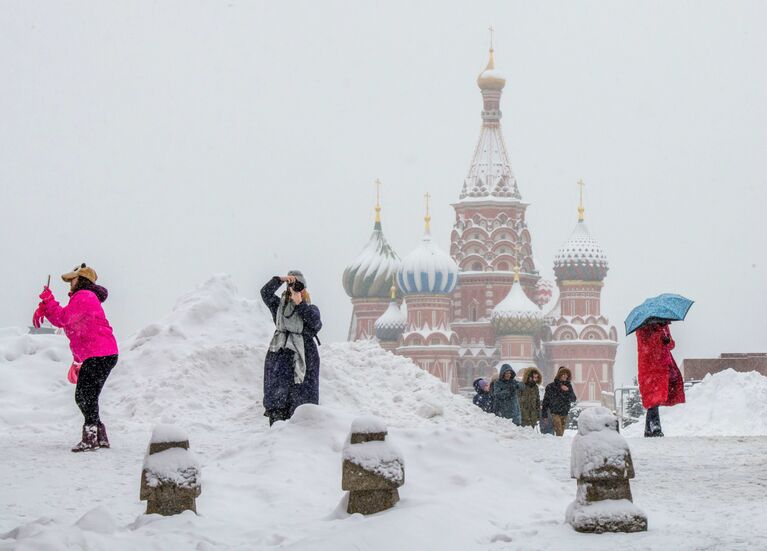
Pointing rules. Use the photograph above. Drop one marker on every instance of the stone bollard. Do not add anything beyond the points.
(170, 479)
(372, 469)
(601, 462)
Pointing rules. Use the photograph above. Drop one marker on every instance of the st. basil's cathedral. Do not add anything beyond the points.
(460, 315)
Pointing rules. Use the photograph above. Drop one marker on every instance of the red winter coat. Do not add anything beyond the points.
(660, 381)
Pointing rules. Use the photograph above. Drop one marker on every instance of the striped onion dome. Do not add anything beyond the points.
(371, 273)
(427, 270)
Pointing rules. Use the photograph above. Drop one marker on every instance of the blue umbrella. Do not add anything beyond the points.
(667, 306)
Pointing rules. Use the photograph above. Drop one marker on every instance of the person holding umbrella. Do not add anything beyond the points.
(660, 381)
(92, 342)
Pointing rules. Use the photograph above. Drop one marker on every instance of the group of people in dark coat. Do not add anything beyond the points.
(520, 401)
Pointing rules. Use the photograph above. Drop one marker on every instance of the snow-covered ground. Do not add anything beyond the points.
(472, 480)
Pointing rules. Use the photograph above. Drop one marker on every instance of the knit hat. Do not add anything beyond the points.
(81, 271)
(484, 383)
(299, 276)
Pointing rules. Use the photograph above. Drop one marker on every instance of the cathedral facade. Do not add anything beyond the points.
(459, 315)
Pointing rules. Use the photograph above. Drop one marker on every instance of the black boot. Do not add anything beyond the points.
(103, 440)
(90, 441)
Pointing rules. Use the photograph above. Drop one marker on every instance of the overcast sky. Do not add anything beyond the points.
(162, 142)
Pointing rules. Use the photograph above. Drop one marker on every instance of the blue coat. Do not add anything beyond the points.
(505, 396)
(280, 393)
(483, 400)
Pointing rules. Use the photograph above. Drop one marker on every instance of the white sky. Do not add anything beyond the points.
(164, 142)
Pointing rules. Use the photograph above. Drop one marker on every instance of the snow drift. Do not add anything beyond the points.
(728, 403)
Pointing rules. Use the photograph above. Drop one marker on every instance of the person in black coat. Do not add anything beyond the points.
(557, 399)
(483, 399)
(292, 364)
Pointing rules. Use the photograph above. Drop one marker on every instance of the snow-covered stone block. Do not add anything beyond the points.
(372, 468)
(170, 478)
(601, 462)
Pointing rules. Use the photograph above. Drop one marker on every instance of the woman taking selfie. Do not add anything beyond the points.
(292, 365)
(93, 346)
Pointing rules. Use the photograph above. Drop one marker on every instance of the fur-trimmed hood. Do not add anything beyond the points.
(561, 370)
(527, 372)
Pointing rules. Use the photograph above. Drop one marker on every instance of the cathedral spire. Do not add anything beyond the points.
(490, 177)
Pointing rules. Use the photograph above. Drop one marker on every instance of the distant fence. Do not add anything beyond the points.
(616, 401)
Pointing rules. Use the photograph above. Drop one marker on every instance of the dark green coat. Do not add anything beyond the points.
(529, 399)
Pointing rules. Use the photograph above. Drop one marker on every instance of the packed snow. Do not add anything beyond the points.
(379, 457)
(473, 481)
(165, 432)
(174, 465)
(728, 403)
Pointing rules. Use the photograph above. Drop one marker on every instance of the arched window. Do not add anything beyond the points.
(473, 311)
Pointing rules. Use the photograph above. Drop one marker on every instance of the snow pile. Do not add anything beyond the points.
(728, 403)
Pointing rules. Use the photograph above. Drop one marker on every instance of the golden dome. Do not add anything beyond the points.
(490, 78)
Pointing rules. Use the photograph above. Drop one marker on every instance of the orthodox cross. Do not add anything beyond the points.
(492, 30)
(581, 210)
(378, 199)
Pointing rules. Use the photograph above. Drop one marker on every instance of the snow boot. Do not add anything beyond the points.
(102, 436)
(90, 441)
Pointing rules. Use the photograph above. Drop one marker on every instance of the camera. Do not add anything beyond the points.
(296, 286)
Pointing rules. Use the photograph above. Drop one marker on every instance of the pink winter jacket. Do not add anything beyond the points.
(85, 324)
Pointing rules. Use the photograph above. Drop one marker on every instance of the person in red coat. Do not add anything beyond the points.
(660, 381)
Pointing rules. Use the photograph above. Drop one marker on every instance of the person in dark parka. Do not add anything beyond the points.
(292, 364)
(557, 398)
(483, 399)
(530, 397)
(505, 395)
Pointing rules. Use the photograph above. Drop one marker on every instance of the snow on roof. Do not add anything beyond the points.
(490, 176)
(428, 270)
(392, 318)
(371, 273)
(581, 251)
(516, 313)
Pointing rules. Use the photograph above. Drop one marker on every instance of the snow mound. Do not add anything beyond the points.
(728, 403)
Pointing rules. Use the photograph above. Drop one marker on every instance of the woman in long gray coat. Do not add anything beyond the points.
(292, 365)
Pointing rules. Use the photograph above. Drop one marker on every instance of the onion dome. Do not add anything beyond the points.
(393, 322)
(370, 273)
(516, 314)
(581, 258)
(428, 270)
(544, 289)
(491, 78)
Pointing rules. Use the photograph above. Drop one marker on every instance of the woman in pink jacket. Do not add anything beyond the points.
(92, 343)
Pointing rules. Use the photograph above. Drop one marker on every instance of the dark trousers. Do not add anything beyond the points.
(652, 422)
(90, 381)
